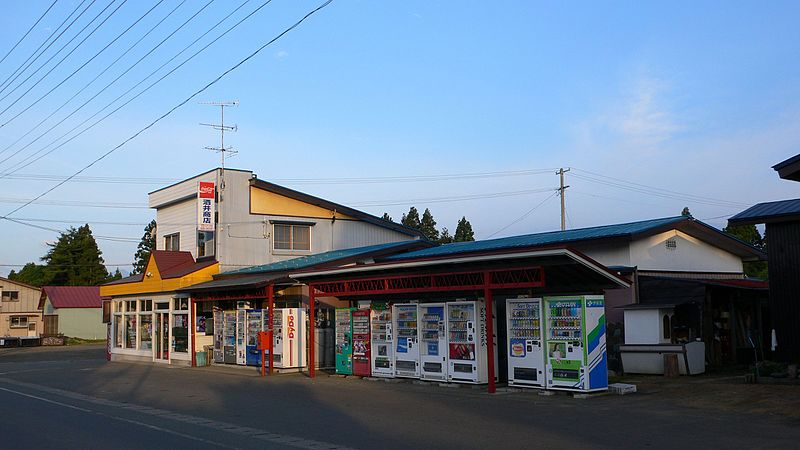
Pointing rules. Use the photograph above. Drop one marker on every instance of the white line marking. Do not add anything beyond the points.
(46, 400)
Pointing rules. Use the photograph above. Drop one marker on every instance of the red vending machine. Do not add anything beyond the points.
(361, 355)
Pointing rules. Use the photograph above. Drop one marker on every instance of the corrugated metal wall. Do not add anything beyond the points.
(784, 287)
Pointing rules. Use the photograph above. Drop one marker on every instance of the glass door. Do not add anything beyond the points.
(162, 336)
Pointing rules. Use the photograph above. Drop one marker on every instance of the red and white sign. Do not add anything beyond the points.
(205, 206)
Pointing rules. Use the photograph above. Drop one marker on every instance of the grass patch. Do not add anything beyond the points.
(79, 341)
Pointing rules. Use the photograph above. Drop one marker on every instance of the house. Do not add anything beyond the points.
(72, 311)
(782, 222)
(20, 315)
(224, 221)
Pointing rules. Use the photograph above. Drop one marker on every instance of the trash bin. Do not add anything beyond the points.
(200, 359)
(209, 351)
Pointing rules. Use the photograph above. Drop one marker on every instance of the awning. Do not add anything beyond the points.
(237, 283)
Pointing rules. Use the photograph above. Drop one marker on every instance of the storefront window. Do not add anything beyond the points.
(119, 326)
(130, 331)
(146, 331)
(180, 333)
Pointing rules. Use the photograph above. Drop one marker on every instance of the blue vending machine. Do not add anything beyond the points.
(256, 319)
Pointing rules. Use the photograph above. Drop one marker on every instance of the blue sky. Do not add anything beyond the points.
(698, 98)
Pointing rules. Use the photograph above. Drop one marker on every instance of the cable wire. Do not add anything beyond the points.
(29, 30)
(528, 213)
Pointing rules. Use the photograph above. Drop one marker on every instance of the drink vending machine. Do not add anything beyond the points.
(219, 328)
(361, 343)
(382, 350)
(575, 338)
(406, 351)
(467, 342)
(433, 348)
(526, 366)
(256, 322)
(229, 342)
(344, 341)
(241, 331)
(289, 334)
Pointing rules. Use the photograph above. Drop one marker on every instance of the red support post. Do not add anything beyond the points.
(312, 362)
(192, 324)
(487, 294)
(270, 310)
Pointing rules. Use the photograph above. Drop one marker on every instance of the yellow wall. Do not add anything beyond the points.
(270, 203)
(154, 283)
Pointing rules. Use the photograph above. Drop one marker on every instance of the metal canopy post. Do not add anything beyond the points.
(311, 331)
(271, 307)
(489, 300)
(193, 324)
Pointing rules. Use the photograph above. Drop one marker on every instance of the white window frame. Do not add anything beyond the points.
(168, 238)
(19, 323)
(291, 249)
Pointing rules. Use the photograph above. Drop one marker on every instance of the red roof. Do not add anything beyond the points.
(740, 283)
(72, 296)
(177, 264)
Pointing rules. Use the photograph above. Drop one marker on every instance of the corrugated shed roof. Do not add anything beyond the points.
(305, 262)
(542, 239)
(768, 212)
(233, 283)
(73, 296)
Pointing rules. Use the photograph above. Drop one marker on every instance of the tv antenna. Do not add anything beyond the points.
(222, 150)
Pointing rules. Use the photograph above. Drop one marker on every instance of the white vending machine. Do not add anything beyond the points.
(289, 328)
(241, 334)
(406, 351)
(526, 362)
(382, 342)
(433, 342)
(467, 338)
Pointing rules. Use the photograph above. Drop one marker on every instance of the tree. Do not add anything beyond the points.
(428, 226)
(386, 216)
(117, 275)
(411, 219)
(31, 273)
(750, 235)
(75, 259)
(146, 245)
(444, 237)
(464, 231)
(686, 212)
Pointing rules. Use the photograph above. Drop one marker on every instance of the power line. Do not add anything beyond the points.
(36, 54)
(170, 111)
(64, 59)
(450, 199)
(20, 165)
(74, 203)
(29, 30)
(113, 64)
(522, 217)
(35, 102)
(100, 237)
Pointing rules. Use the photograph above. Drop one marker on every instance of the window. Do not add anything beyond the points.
(10, 296)
(180, 325)
(145, 324)
(291, 237)
(19, 322)
(205, 243)
(130, 324)
(172, 242)
(666, 323)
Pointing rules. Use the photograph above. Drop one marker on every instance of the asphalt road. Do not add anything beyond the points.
(73, 398)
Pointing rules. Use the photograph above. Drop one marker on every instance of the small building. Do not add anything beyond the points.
(782, 222)
(72, 311)
(20, 315)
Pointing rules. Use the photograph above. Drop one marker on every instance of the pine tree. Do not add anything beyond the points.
(116, 276)
(146, 245)
(464, 231)
(32, 274)
(411, 219)
(444, 237)
(386, 216)
(428, 226)
(75, 259)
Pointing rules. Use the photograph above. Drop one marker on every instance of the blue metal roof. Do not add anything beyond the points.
(768, 212)
(304, 262)
(541, 239)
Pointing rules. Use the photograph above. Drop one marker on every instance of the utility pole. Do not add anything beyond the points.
(561, 191)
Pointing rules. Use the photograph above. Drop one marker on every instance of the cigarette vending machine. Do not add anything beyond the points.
(256, 322)
(575, 336)
(467, 342)
(526, 366)
(344, 341)
(361, 344)
(289, 335)
(241, 332)
(219, 328)
(433, 348)
(229, 347)
(381, 350)
(406, 351)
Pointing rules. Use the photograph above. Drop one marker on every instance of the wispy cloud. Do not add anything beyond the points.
(646, 118)
(281, 54)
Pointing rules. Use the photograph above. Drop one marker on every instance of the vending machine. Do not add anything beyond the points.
(361, 343)
(406, 350)
(256, 322)
(575, 333)
(526, 366)
(467, 338)
(229, 343)
(382, 350)
(241, 332)
(219, 328)
(289, 335)
(433, 347)
(344, 341)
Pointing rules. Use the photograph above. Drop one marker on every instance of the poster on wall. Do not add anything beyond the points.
(205, 206)
(201, 324)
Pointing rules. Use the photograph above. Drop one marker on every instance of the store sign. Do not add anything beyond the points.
(205, 206)
(291, 328)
